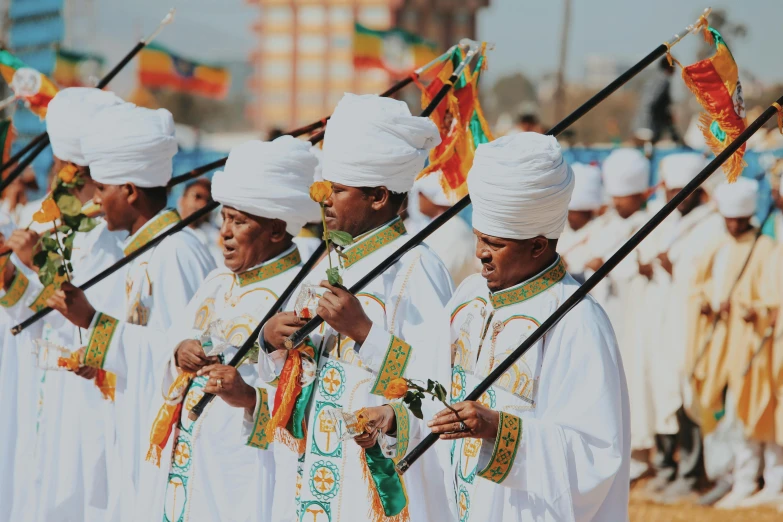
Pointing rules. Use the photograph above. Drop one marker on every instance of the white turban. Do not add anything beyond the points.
(431, 188)
(588, 192)
(70, 115)
(129, 144)
(677, 170)
(520, 186)
(270, 180)
(626, 172)
(738, 199)
(375, 142)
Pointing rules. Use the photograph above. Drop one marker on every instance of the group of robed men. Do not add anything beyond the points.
(694, 309)
(550, 440)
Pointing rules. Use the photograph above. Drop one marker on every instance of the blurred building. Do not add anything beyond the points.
(444, 22)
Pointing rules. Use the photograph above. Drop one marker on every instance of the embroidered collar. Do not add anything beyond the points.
(151, 228)
(372, 241)
(530, 288)
(271, 268)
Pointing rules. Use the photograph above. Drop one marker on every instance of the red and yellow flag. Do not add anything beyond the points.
(715, 83)
(395, 51)
(28, 84)
(160, 68)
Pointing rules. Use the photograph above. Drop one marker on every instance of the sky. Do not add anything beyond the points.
(526, 32)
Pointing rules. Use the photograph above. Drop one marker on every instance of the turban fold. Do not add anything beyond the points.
(70, 115)
(375, 142)
(626, 172)
(270, 180)
(431, 188)
(520, 186)
(677, 170)
(588, 193)
(738, 199)
(129, 144)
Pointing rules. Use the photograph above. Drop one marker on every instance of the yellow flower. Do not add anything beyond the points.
(397, 388)
(68, 173)
(320, 191)
(48, 213)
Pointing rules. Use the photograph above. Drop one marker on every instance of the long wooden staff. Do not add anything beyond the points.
(602, 272)
(307, 129)
(40, 142)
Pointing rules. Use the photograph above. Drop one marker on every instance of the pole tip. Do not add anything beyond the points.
(169, 17)
(402, 466)
(193, 416)
(16, 330)
(289, 343)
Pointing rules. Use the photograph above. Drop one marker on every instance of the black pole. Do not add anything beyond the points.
(24, 150)
(198, 409)
(599, 275)
(198, 171)
(124, 261)
(24, 163)
(120, 66)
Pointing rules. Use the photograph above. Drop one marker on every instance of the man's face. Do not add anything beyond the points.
(507, 262)
(348, 209)
(627, 206)
(113, 200)
(737, 226)
(579, 218)
(691, 202)
(195, 198)
(247, 239)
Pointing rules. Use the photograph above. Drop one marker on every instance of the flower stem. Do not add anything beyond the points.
(326, 235)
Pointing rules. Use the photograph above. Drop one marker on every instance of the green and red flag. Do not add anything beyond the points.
(76, 69)
(27, 84)
(161, 68)
(715, 83)
(396, 51)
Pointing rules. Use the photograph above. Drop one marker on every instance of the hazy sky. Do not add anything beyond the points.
(526, 32)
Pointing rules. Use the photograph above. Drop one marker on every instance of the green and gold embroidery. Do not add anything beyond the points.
(152, 229)
(505, 450)
(258, 438)
(40, 301)
(530, 289)
(15, 291)
(268, 270)
(375, 241)
(393, 365)
(403, 429)
(98, 347)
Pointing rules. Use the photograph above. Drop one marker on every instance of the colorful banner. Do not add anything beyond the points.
(159, 68)
(6, 137)
(74, 69)
(395, 51)
(27, 84)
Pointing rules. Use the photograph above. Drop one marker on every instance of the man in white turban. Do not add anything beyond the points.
(130, 151)
(373, 151)
(67, 433)
(549, 440)
(722, 356)
(213, 468)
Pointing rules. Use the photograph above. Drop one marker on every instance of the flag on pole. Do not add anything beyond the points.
(7, 136)
(715, 83)
(395, 51)
(27, 84)
(461, 123)
(76, 69)
(160, 68)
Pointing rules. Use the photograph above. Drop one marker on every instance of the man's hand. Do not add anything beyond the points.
(342, 311)
(751, 316)
(24, 244)
(380, 419)
(225, 382)
(480, 422)
(666, 264)
(190, 356)
(706, 309)
(280, 327)
(594, 264)
(71, 301)
(646, 271)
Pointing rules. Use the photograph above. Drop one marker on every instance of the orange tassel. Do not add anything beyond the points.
(168, 414)
(107, 384)
(780, 116)
(283, 412)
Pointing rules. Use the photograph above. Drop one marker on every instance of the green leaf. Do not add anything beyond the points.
(87, 224)
(440, 392)
(40, 258)
(69, 205)
(61, 270)
(68, 242)
(430, 385)
(67, 253)
(55, 257)
(49, 244)
(408, 397)
(73, 221)
(338, 237)
(333, 276)
(415, 407)
(63, 229)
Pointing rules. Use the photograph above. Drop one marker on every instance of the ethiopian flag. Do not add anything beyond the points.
(395, 51)
(160, 68)
(74, 69)
(6, 137)
(28, 84)
(715, 83)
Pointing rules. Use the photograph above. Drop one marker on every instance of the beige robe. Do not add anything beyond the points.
(772, 297)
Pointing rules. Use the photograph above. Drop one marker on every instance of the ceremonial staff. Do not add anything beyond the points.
(307, 129)
(40, 142)
(599, 275)
(299, 336)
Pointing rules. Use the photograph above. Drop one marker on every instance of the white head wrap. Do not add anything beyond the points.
(738, 199)
(626, 172)
(588, 192)
(520, 186)
(270, 180)
(430, 186)
(375, 142)
(129, 144)
(677, 170)
(70, 115)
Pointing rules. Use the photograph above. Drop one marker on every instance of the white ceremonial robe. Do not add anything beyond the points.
(563, 448)
(158, 286)
(328, 484)
(211, 469)
(209, 234)
(578, 247)
(455, 245)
